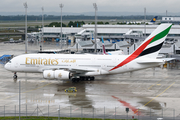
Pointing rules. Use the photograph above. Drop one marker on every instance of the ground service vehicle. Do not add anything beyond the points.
(71, 89)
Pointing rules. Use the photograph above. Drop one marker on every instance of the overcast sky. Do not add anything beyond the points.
(80, 6)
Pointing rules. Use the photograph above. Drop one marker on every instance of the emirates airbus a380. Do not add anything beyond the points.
(78, 67)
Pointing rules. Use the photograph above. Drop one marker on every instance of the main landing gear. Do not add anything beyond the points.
(15, 76)
(83, 78)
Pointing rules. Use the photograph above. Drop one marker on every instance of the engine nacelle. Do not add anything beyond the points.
(48, 74)
(57, 74)
(61, 74)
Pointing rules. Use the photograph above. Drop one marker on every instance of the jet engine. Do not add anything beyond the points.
(57, 74)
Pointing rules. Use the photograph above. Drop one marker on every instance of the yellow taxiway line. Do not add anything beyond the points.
(154, 84)
(155, 97)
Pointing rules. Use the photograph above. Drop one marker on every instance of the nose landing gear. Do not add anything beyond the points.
(15, 76)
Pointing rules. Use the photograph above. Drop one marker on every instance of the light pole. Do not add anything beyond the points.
(25, 6)
(95, 34)
(58, 113)
(42, 24)
(61, 6)
(145, 22)
(19, 99)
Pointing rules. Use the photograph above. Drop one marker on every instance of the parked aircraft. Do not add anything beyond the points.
(84, 67)
(118, 52)
(150, 22)
(153, 20)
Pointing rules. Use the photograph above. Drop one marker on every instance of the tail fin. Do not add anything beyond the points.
(104, 51)
(154, 19)
(153, 43)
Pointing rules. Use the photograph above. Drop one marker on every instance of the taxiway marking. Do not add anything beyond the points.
(156, 96)
(154, 84)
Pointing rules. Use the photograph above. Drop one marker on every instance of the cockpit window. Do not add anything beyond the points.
(9, 61)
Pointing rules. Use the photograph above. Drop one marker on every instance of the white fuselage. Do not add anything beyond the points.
(95, 64)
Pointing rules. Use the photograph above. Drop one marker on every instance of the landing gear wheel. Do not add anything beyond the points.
(92, 78)
(87, 78)
(75, 80)
(15, 77)
(82, 78)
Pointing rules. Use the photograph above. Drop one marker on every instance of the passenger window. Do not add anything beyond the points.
(9, 61)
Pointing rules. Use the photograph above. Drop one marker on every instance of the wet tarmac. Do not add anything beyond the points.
(150, 93)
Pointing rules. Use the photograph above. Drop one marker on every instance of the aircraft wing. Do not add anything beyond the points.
(82, 70)
(74, 70)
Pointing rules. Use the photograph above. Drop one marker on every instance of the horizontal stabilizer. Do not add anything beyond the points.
(151, 61)
(168, 59)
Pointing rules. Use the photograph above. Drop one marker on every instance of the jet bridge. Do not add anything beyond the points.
(5, 58)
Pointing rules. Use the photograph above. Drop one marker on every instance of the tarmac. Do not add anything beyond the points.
(149, 93)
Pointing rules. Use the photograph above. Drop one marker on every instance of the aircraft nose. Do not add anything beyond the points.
(7, 66)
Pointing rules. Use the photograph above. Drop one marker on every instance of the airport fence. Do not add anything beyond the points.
(72, 112)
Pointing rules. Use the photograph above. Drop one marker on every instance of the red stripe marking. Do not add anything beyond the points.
(133, 55)
(135, 110)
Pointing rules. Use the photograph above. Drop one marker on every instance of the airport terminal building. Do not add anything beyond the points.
(107, 31)
(116, 37)
(173, 20)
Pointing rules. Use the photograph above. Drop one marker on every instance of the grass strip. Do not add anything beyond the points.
(52, 118)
